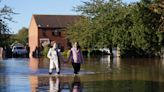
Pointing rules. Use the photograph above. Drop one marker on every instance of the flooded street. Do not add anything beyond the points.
(99, 74)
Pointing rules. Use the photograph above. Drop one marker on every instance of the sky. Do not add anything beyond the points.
(26, 8)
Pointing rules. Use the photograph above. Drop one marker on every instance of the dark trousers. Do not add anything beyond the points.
(76, 67)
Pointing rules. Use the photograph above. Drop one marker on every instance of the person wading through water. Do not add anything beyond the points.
(54, 55)
(76, 57)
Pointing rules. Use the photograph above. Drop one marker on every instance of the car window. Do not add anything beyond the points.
(19, 48)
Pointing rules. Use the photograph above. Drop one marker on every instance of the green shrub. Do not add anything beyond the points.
(65, 53)
(45, 51)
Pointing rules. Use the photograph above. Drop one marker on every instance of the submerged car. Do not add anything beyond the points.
(18, 50)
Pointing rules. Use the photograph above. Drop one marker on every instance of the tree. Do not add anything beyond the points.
(5, 16)
(22, 35)
(97, 30)
(135, 30)
(133, 27)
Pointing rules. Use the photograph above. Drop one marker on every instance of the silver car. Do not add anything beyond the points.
(18, 50)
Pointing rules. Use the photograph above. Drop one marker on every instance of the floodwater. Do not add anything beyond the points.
(98, 74)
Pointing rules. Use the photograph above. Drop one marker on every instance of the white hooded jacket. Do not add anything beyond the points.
(52, 54)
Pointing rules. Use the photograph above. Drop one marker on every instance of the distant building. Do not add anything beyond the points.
(45, 28)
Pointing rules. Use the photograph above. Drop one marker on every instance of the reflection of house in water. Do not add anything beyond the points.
(36, 63)
(39, 84)
(46, 28)
(55, 84)
(33, 64)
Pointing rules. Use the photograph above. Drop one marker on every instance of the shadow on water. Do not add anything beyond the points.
(98, 74)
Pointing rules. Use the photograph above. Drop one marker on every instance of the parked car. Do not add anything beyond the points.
(19, 50)
(106, 50)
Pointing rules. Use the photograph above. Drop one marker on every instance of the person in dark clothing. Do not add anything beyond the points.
(76, 57)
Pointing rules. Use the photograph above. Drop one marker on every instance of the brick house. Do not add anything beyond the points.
(45, 28)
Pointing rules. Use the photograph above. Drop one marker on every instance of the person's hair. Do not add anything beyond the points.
(78, 46)
(52, 43)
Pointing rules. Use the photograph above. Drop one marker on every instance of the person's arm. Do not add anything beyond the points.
(70, 56)
(61, 57)
(49, 54)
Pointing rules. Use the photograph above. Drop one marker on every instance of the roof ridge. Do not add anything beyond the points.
(54, 15)
(55, 20)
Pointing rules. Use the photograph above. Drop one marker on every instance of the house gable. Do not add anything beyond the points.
(33, 35)
(43, 29)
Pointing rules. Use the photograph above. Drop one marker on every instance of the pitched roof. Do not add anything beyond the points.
(55, 21)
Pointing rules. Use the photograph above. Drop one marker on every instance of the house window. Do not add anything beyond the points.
(44, 41)
(44, 33)
(56, 33)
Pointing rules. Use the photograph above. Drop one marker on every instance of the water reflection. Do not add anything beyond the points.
(57, 84)
(123, 86)
(54, 84)
(33, 64)
(1, 59)
(162, 64)
(33, 83)
(38, 63)
(76, 84)
(110, 75)
(110, 64)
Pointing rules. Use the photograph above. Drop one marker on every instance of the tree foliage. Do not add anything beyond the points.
(132, 27)
(5, 16)
(22, 36)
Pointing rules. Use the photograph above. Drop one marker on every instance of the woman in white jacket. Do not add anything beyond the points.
(53, 55)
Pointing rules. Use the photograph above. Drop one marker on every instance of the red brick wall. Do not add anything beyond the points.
(59, 39)
(33, 36)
